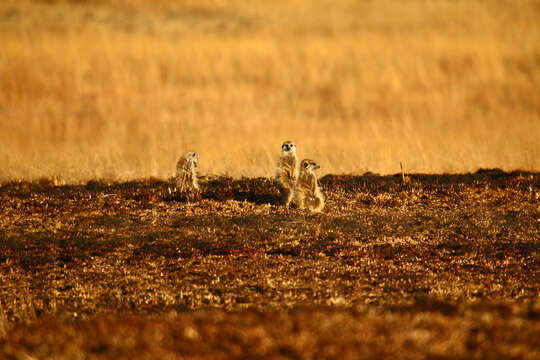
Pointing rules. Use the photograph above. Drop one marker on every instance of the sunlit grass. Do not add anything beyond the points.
(119, 89)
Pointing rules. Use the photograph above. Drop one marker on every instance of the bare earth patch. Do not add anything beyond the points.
(440, 266)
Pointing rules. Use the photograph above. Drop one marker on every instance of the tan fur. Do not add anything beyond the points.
(186, 175)
(287, 171)
(308, 193)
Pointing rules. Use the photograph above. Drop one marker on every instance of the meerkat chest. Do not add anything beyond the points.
(288, 162)
(288, 168)
(307, 182)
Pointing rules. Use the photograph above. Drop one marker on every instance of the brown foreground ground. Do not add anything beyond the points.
(438, 266)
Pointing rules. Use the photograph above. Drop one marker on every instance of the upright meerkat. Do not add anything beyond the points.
(308, 193)
(186, 175)
(287, 171)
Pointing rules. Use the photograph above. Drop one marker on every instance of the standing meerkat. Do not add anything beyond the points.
(308, 193)
(186, 175)
(287, 171)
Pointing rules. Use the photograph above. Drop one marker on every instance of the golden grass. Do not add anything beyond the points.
(119, 89)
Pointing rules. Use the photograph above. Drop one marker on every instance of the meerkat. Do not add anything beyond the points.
(287, 171)
(308, 193)
(186, 175)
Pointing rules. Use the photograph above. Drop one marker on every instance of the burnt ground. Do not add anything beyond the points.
(438, 266)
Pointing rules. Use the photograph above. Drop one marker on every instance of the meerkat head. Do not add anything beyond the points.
(288, 148)
(192, 157)
(309, 165)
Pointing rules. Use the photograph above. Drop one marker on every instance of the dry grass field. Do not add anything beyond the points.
(119, 89)
(98, 260)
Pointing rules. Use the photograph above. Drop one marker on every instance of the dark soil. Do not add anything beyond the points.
(439, 266)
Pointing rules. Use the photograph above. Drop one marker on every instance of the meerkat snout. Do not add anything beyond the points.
(288, 146)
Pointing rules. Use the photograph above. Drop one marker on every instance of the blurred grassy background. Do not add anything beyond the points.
(118, 89)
